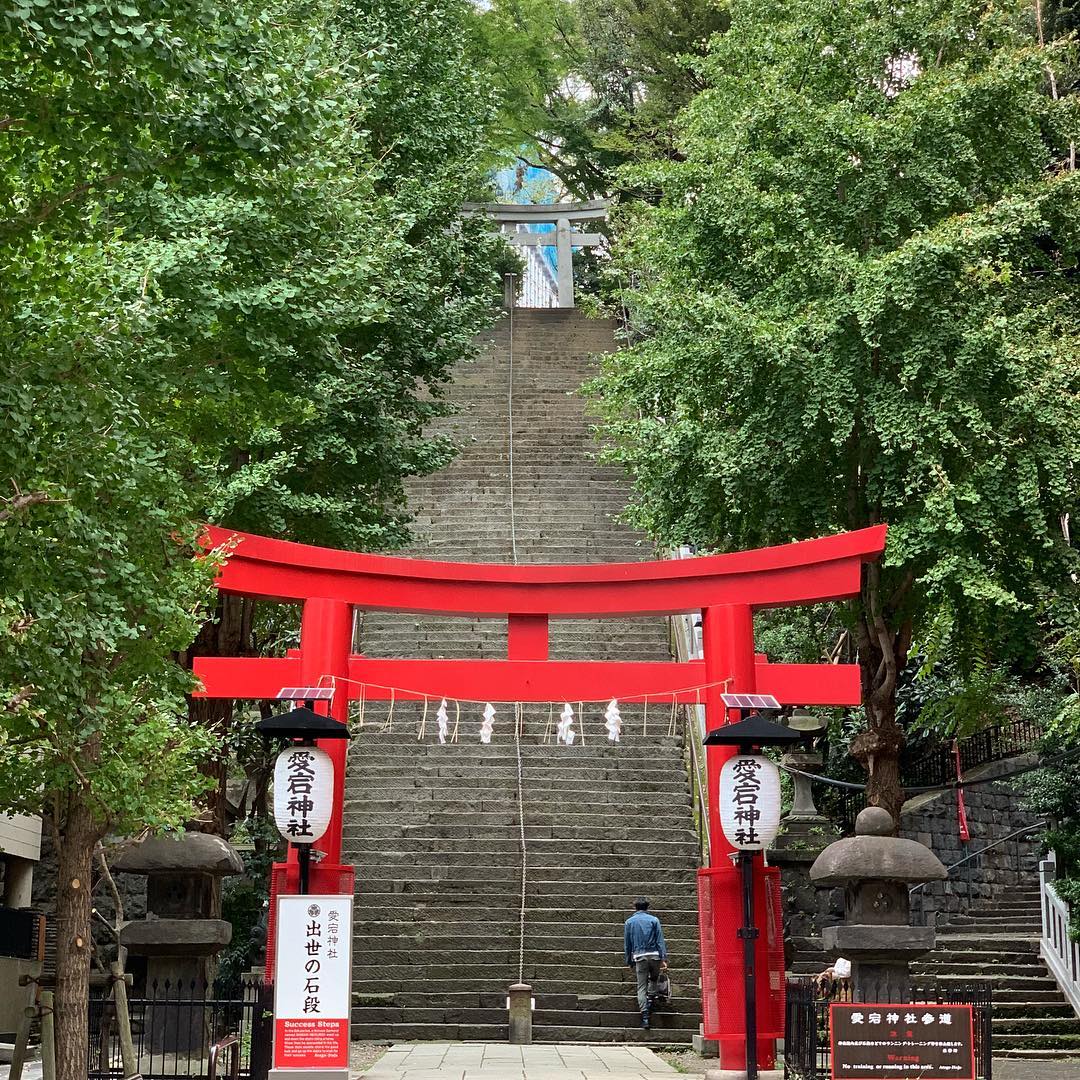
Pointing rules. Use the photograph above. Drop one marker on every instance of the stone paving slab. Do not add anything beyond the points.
(499, 1061)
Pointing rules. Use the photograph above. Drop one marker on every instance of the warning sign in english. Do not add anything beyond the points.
(895, 1042)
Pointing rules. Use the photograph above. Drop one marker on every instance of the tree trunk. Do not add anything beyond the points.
(883, 642)
(878, 749)
(78, 838)
(228, 633)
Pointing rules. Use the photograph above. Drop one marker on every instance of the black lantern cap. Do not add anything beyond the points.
(755, 730)
(301, 723)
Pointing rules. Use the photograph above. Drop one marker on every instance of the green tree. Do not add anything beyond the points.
(233, 288)
(332, 297)
(98, 587)
(590, 85)
(858, 301)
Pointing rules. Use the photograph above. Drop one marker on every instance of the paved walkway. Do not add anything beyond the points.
(500, 1061)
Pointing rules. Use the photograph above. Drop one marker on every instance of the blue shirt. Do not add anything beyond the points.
(642, 934)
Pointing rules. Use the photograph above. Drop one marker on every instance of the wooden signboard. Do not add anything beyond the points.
(897, 1042)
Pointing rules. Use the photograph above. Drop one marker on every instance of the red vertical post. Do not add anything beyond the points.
(728, 644)
(727, 638)
(527, 637)
(326, 630)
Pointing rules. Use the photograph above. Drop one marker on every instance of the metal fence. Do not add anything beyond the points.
(938, 765)
(808, 1052)
(173, 1029)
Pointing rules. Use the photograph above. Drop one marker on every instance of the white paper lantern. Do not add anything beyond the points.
(303, 793)
(750, 801)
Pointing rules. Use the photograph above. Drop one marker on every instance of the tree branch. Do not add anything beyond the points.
(20, 697)
(17, 503)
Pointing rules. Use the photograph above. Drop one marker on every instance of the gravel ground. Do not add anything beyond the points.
(362, 1055)
(686, 1061)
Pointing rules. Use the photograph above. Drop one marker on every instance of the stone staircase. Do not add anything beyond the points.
(434, 830)
(999, 940)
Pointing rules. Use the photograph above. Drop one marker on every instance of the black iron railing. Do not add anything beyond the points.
(808, 1052)
(841, 806)
(938, 765)
(173, 1029)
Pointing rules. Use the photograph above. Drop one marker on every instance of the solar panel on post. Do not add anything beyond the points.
(750, 701)
(305, 693)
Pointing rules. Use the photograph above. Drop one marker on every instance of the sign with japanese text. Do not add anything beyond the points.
(892, 1042)
(312, 987)
(750, 801)
(303, 793)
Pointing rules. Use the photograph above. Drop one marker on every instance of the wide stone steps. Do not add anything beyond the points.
(446, 873)
(379, 836)
(658, 1036)
(999, 941)
(410, 823)
(434, 829)
(404, 749)
(542, 923)
(459, 895)
(576, 1017)
(437, 987)
(541, 974)
(1034, 1010)
(417, 950)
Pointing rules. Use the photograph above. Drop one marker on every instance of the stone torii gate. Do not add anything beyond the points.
(564, 216)
(331, 585)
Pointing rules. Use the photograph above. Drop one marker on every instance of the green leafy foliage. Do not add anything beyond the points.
(857, 302)
(1054, 793)
(590, 85)
(245, 899)
(235, 280)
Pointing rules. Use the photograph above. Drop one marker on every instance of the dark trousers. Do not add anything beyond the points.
(647, 973)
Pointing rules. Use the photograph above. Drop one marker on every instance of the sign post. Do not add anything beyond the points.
(750, 819)
(313, 988)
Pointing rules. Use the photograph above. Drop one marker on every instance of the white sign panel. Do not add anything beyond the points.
(750, 801)
(312, 982)
(303, 793)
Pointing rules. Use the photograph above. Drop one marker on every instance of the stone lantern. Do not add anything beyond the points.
(804, 829)
(804, 833)
(876, 869)
(178, 937)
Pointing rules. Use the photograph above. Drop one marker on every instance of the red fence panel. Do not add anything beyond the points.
(720, 918)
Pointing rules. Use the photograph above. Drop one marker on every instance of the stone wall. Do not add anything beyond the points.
(993, 813)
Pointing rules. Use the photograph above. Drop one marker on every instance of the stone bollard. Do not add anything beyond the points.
(519, 1006)
(876, 869)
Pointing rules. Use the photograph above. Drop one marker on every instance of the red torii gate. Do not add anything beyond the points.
(727, 589)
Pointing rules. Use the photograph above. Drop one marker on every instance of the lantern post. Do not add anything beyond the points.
(303, 775)
(750, 818)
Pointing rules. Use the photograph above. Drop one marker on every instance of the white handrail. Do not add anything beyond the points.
(1060, 953)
